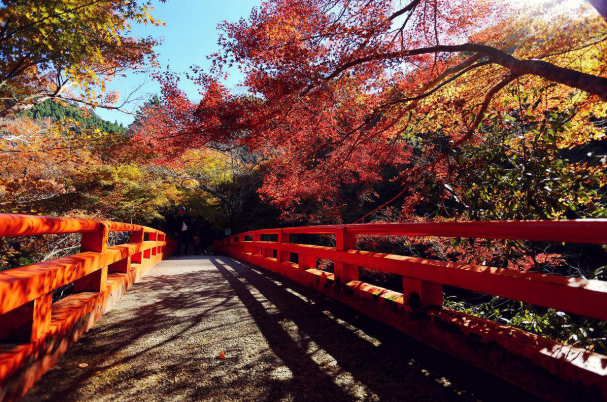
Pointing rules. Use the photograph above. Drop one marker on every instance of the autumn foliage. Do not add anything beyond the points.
(349, 111)
(346, 95)
(69, 50)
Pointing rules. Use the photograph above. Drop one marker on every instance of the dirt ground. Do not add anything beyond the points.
(280, 341)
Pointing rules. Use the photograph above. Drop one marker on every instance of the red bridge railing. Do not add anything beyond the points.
(34, 331)
(542, 366)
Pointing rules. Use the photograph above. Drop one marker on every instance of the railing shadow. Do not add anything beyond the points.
(129, 345)
(281, 340)
(390, 364)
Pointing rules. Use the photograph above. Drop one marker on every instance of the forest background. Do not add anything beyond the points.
(348, 111)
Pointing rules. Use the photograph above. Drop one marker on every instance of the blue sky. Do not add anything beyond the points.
(189, 36)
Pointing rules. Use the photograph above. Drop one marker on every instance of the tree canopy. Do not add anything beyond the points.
(57, 111)
(349, 111)
(68, 49)
(341, 89)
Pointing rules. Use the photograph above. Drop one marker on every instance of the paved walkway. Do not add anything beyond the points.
(281, 341)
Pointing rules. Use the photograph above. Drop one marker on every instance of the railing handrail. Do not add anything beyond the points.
(100, 274)
(47, 276)
(503, 282)
(21, 285)
(418, 310)
(588, 231)
(14, 225)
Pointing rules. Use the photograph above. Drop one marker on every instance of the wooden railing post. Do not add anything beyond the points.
(283, 237)
(161, 237)
(257, 237)
(345, 241)
(95, 242)
(418, 293)
(306, 261)
(41, 316)
(29, 322)
(123, 266)
(153, 236)
(137, 237)
(146, 253)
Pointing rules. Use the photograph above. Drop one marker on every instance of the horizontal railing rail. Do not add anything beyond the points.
(590, 231)
(423, 280)
(29, 225)
(31, 324)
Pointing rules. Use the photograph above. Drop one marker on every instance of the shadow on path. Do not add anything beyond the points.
(281, 340)
(388, 363)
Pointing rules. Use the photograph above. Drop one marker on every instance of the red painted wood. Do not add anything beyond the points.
(591, 231)
(28, 225)
(41, 316)
(153, 237)
(418, 293)
(137, 237)
(122, 266)
(574, 295)
(94, 282)
(95, 241)
(345, 241)
(27, 314)
(27, 323)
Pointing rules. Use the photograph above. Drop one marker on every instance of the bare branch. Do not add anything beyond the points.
(601, 7)
(410, 7)
(477, 121)
(591, 84)
(480, 115)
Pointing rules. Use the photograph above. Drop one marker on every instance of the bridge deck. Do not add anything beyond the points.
(281, 342)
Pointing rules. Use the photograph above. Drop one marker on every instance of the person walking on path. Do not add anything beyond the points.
(182, 229)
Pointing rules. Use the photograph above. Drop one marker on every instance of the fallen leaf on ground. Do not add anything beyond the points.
(83, 365)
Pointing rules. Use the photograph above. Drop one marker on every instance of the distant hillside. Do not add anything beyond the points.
(56, 111)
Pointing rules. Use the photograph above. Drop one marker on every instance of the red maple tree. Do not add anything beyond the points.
(340, 89)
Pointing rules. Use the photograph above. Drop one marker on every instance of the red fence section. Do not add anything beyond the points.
(542, 366)
(34, 331)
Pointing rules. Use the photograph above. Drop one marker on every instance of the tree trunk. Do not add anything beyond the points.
(601, 7)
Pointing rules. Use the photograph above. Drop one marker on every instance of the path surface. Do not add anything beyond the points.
(282, 341)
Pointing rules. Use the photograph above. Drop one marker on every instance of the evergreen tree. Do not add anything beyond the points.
(57, 111)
